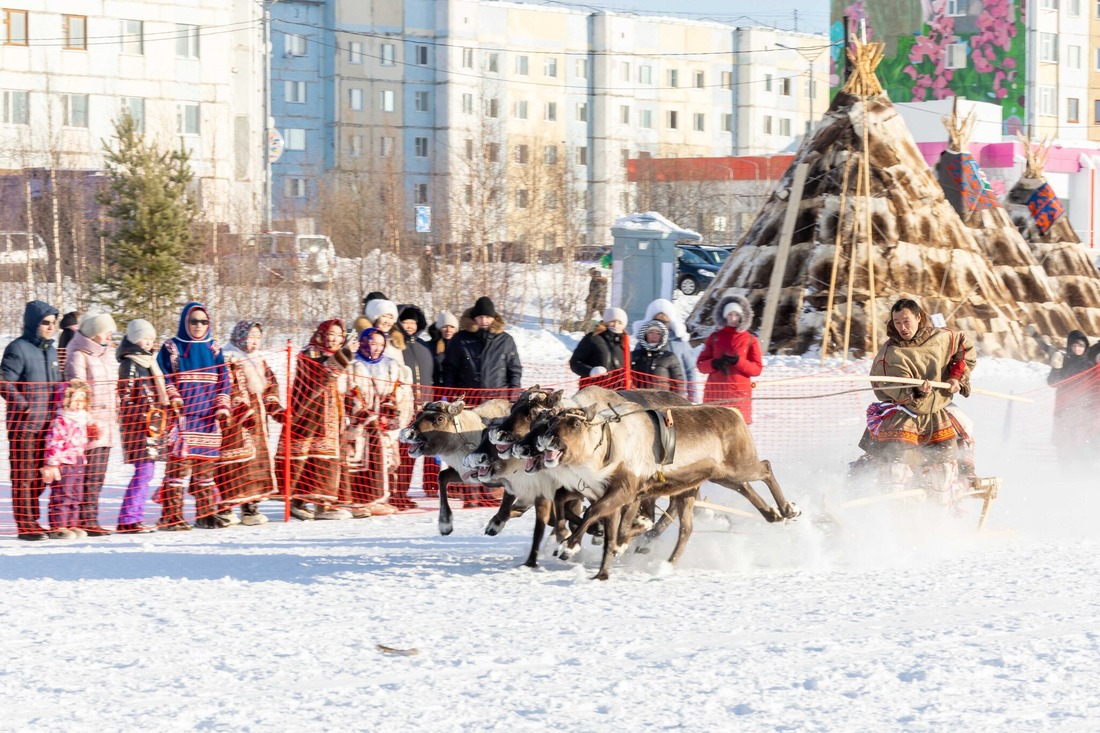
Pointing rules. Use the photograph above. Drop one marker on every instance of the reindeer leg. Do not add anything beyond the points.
(504, 513)
(675, 504)
(786, 508)
(744, 489)
(543, 509)
(446, 523)
(686, 503)
(627, 530)
(618, 493)
(611, 531)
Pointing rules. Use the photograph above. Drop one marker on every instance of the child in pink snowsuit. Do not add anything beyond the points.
(65, 443)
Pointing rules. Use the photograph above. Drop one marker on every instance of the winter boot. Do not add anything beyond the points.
(170, 498)
(206, 516)
(299, 510)
(250, 514)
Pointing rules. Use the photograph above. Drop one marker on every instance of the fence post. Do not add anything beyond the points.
(287, 416)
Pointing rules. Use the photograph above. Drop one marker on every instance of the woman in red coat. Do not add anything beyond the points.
(731, 357)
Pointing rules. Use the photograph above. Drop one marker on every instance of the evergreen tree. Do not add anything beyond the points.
(150, 214)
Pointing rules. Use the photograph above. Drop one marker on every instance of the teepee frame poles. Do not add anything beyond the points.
(836, 259)
(779, 266)
(871, 311)
(853, 256)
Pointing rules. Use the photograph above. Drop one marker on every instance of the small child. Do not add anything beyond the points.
(65, 443)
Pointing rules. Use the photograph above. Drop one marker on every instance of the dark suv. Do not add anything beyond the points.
(696, 266)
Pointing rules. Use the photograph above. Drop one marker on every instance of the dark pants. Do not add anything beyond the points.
(95, 471)
(201, 486)
(65, 497)
(27, 458)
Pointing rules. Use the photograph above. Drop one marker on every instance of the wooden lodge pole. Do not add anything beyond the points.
(871, 310)
(852, 258)
(779, 266)
(836, 260)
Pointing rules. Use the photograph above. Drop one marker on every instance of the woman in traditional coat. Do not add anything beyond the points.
(910, 431)
(731, 357)
(244, 472)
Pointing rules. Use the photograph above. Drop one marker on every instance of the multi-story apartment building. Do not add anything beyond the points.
(188, 74)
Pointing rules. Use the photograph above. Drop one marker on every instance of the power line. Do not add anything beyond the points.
(111, 39)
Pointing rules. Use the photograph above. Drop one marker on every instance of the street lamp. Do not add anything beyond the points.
(811, 56)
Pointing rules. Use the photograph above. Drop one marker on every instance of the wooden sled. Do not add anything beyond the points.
(980, 488)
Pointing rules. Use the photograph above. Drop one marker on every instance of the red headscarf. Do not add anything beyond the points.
(319, 341)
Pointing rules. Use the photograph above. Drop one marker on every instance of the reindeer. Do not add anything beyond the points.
(616, 457)
(448, 431)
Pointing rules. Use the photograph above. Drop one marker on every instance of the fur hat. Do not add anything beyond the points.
(614, 314)
(379, 307)
(483, 307)
(138, 329)
(408, 313)
(735, 301)
(446, 318)
(97, 324)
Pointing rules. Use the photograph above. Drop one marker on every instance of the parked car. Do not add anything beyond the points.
(281, 257)
(696, 266)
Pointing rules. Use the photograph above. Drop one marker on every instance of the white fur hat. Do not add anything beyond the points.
(614, 314)
(97, 324)
(379, 307)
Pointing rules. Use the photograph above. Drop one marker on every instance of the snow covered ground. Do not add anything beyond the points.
(895, 618)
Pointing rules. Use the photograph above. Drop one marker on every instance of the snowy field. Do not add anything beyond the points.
(894, 618)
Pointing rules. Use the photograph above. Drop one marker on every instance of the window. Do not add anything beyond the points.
(811, 88)
(624, 201)
(955, 56)
(673, 78)
(1048, 47)
(645, 119)
(581, 68)
(1098, 50)
(519, 110)
(550, 155)
(387, 54)
(15, 27)
(421, 55)
(420, 193)
(467, 103)
(420, 101)
(294, 44)
(1048, 4)
(767, 124)
(624, 71)
(387, 100)
(295, 138)
(521, 198)
(133, 37)
(550, 67)
(75, 110)
(1096, 111)
(492, 107)
(645, 74)
(385, 147)
(550, 200)
(294, 188)
(492, 152)
(955, 8)
(785, 87)
(294, 91)
(187, 118)
(355, 146)
(672, 120)
(135, 107)
(582, 112)
(768, 81)
(551, 112)
(700, 79)
(624, 156)
(582, 155)
(355, 52)
(785, 126)
(522, 154)
(493, 63)
(727, 80)
(1047, 100)
(76, 32)
(521, 65)
(16, 108)
(469, 149)
(467, 58)
(355, 99)
(420, 145)
(1073, 57)
(1073, 110)
(469, 194)
(699, 122)
(624, 114)
(727, 122)
(1074, 8)
(187, 41)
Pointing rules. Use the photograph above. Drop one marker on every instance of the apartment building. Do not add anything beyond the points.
(189, 75)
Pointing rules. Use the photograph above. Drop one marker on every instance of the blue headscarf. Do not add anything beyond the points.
(364, 346)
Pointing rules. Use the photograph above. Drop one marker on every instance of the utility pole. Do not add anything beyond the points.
(266, 144)
(811, 56)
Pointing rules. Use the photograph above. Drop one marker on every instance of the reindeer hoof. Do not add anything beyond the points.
(643, 523)
(600, 576)
(565, 552)
(493, 528)
(791, 511)
(618, 550)
(446, 527)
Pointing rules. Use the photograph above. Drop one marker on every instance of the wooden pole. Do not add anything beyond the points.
(836, 259)
(871, 310)
(833, 378)
(779, 266)
(852, 258)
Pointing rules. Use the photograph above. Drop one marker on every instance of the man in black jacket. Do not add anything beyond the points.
(30, 371)
(482, 356)
(602, 351)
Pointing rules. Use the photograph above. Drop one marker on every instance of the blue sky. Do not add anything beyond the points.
(813, 15)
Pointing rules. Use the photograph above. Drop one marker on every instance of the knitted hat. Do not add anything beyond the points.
(138, 329)
(730, 307)
(483, 307)
(97, 324)
(71, 318)
(408, 313)
(614, 314)
(379, 307)
(446, 318)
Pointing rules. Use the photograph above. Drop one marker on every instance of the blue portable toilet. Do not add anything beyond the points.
(643, 265)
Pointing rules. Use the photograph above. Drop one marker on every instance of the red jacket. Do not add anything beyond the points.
(733, 389)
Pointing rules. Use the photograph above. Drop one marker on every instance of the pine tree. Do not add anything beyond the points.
(150, 214)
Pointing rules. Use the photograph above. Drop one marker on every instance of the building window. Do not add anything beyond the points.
(493, 63)
(295, 138)
(624, 114)
(645, 119)
(1074, 8)
(187, 41)
(727, 122)
(133, 37)
(1048, 4)
(135, 107)
(492, 108)
(1047, 100)
(699, 122)
(582, 155)
(519, 110)
(15, 27)
(700, 79)
(672, 120)
(420, 193)
(624, 156)
(955, 8)
(421, 55)
(420, 145)
(355, 146)
(355, 52)
(469, 194)
(645, 74)
(294, 44)
(522, 154)
(1073, 57)
(1073, 109)
(582, 67)
(467, 58)
(385, 147)
(550, 200)
(355, 99)
(187, 118)
(550, 67)
(467, 103)
(1098, 50)
(550, 113)
(388, 54)
(387, 100)
(624, 71)
(550, 155)
(521, 65)
(294, 91)
(811, 88)
(955, 56)
(492, 152)
(785, 87)
(75, 110)
(16, 108)
(76, 32)
(767, 124)
(582, 112)
(294, 188)
(727, 80)
(785, 126)
(420, 101)
(1048, 47)
(521, 198)
(768, 81)
(673, 78)
(1096, 112)
(469, 149)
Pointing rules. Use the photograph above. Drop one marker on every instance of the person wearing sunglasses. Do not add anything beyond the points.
(193, 363)
(30, 375)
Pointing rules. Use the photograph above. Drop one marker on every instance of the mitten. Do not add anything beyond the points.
(1057, 360)
(597, 371)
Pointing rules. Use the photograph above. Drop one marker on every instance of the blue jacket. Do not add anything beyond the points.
(29, 370)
